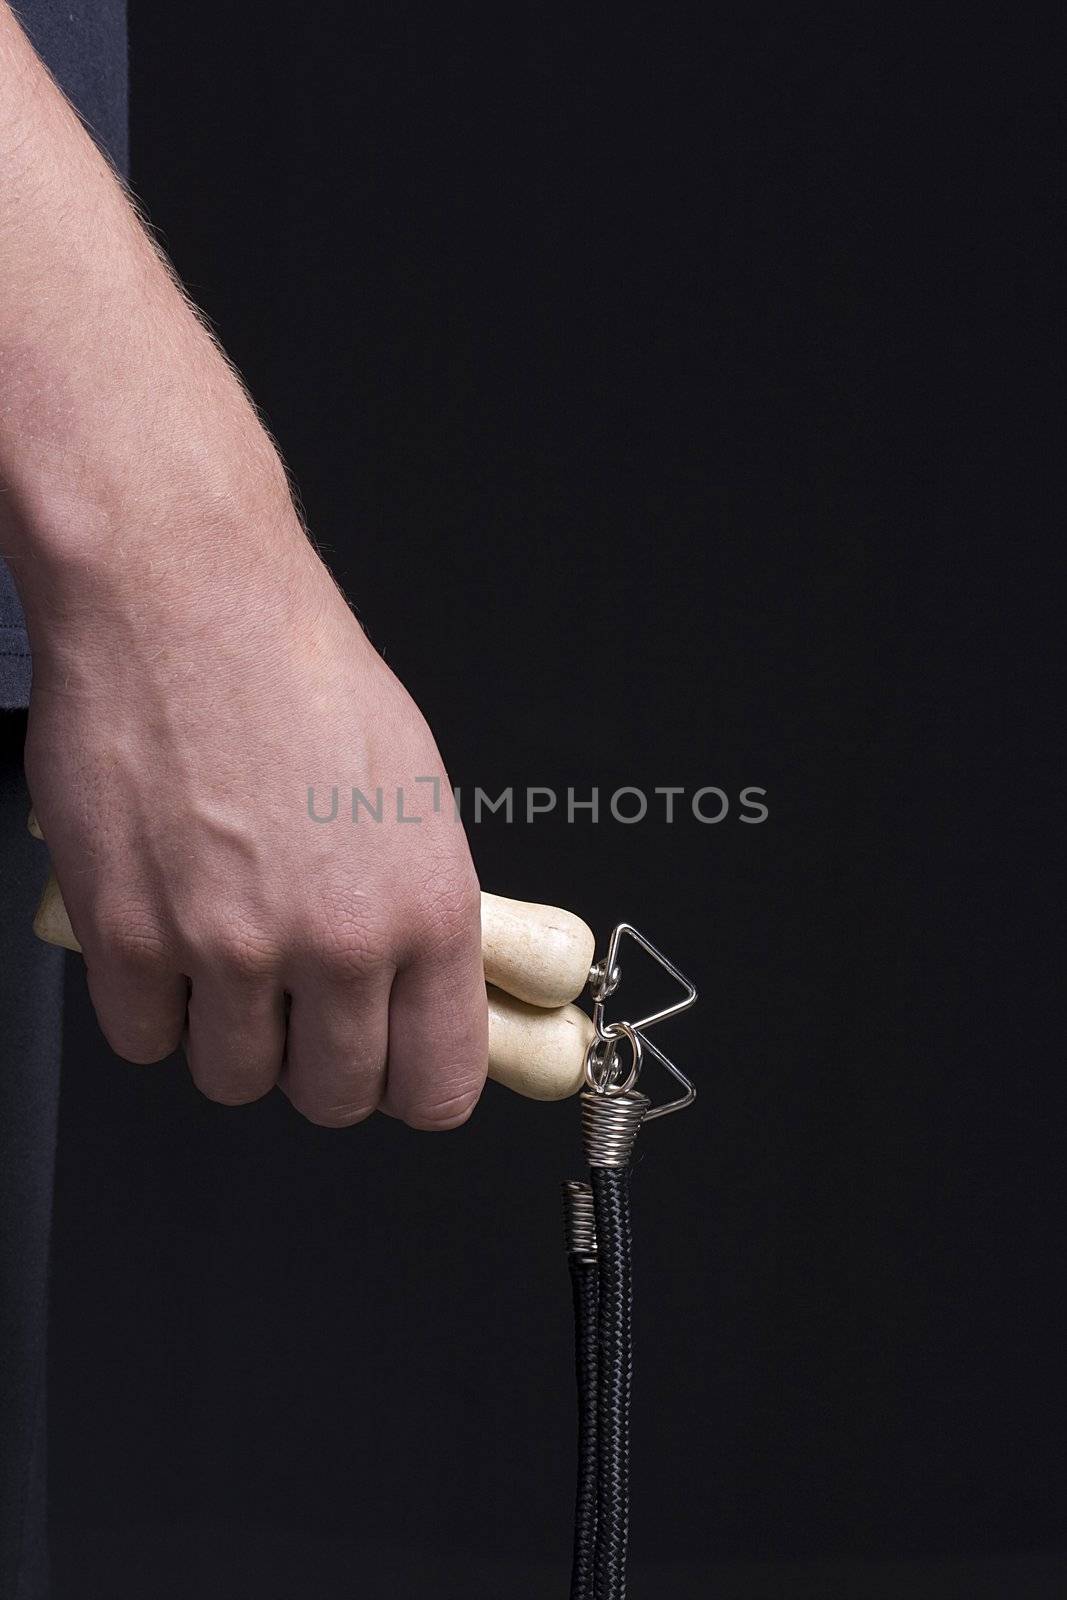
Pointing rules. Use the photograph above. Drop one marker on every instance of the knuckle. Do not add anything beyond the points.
(347, 957)
(345, 941)
(229, 1083)
(342, 1114)
(236, 1093)
(450, 918)
(351, 1092)
(251, 960)
(141, 1045)
(439, 1114)
(131, 938)
(239, 948)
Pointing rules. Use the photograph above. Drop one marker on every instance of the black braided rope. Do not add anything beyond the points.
(611, 1199)
(584, 1285)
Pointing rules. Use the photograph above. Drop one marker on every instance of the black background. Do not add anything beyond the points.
(667, 388)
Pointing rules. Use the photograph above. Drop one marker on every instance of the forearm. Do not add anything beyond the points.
(106, 374)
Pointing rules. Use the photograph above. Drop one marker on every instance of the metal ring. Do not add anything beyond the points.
(601, 1056)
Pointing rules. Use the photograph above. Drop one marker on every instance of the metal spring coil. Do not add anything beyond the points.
(610, 1125)
(579, 1219)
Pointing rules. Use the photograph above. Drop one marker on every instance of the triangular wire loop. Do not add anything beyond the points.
(607, 979)
(683, 1100)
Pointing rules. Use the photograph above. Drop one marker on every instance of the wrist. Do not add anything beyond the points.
(163, 529)
(190, 602)
(143, 453)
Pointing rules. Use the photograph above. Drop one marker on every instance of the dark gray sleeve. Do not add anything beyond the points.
(84, 44)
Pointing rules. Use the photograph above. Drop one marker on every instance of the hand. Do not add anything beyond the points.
(181, 709)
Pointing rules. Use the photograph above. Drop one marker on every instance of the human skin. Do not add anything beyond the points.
(195, 670)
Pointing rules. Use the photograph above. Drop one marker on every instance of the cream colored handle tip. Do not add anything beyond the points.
(540, 954)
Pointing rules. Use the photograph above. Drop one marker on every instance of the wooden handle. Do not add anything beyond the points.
(539, 954)
(537, 958)
(538, 1053)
